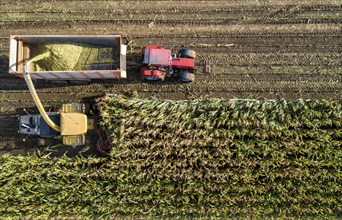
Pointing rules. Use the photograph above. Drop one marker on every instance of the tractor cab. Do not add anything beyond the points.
(156, 56)
(160, 62)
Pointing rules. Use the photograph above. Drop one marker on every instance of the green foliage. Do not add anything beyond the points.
(208, 158)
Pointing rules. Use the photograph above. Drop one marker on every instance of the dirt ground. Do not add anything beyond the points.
(258, 49)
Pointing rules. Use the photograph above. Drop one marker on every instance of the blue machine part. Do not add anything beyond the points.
(36, 125)
(45, 129)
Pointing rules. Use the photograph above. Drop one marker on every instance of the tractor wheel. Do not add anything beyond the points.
(186, 77)
(186, 53)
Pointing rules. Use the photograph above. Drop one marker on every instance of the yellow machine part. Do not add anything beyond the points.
(68, 108)
(37, 101)
(74, 140)
(73, 124)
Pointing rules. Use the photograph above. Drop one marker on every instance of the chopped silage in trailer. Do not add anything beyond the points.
(69, 56)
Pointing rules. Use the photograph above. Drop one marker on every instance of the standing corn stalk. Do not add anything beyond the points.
(204, 158)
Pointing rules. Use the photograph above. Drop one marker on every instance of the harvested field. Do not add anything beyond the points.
(259, 49)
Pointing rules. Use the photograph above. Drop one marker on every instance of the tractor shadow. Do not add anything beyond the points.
(134, 60)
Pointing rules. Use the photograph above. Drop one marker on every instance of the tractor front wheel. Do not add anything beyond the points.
(186, 53)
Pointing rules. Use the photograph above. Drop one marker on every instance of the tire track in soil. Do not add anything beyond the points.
(9, 137)
(8, 123)
(287, 58)
(164, 23)
(175, 7)
(60, 95)
(253, 70)
(270, 78)
(253, 17)
(238, 31)
(278, 14)
(13, 84)
(271, 37)
(274, 32)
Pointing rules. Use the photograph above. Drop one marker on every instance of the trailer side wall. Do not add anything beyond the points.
(20, 53)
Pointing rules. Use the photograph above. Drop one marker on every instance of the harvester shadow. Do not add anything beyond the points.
(29, 144)
(25, 145)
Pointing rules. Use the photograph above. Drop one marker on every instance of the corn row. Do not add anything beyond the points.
(207, 158)
(36, 190)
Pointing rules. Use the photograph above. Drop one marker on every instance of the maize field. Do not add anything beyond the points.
(206, 158)
(258, 137)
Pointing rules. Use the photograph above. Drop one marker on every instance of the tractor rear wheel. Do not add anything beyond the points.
(186, 53)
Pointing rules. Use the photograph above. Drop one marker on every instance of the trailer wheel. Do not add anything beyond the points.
(80, 82)
(186, 77)
(41, 142)
(186, 53)
(58, 82)
(154, 78)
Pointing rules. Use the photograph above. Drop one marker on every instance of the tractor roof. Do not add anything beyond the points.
(157, 56)
(73, 123)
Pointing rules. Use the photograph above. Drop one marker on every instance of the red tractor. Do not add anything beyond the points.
(160, 62)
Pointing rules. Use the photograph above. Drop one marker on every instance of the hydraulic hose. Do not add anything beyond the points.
(37, 101)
